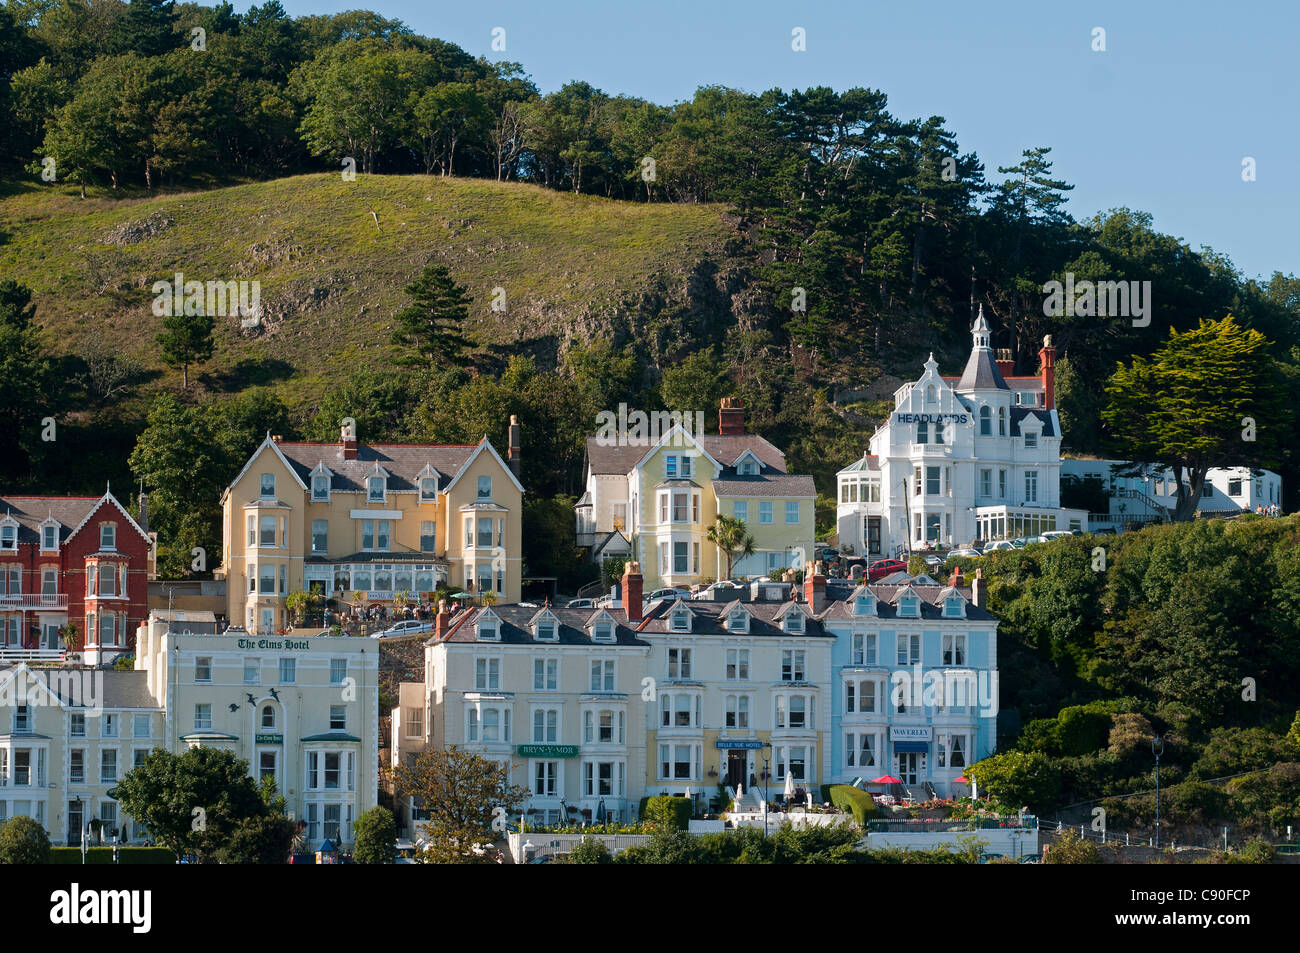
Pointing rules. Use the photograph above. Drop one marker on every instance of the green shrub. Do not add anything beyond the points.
(674, 812)
(376, 837)
(23, 841)
(590, 850)
(849, 798)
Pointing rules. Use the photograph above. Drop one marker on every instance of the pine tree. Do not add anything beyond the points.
(431, 322)
(186, 339)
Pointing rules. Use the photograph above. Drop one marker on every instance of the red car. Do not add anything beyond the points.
(885, 567)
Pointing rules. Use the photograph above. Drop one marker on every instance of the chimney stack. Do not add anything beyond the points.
(442, 621)
(814, 587)
(1005, 362)
(632, 587)
(348, 436)
(979, 590)
(731, 417)
(956, 580)
(1047, 365)
(515, 449)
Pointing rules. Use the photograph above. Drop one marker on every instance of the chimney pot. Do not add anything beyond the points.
(731, 416)
(633, 582)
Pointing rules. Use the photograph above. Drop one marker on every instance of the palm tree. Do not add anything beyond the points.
(731, 536)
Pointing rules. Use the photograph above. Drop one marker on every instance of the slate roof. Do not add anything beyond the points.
(710, 618)
(867, 462)
(517, 627)
(1018, 414)
(402, 461)
(778, 484)
(726, 449)
(32, 511)
(119, 689)
(981, 372)
(931, 597)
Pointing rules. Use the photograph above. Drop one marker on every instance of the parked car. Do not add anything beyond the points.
(825, 553)
(671, 594)
(885, 567)
(966, 552)
(1024, 541)
(1001, 544)
(934, 561)
(405, 627)
(722, 586)
(580, 604)
(1052, 534)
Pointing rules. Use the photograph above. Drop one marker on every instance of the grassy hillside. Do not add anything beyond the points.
(332, 257)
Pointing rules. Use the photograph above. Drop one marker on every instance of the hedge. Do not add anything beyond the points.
(853, 799)
(677, 810)
(104, 855)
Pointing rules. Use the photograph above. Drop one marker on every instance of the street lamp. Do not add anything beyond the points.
(767, 756)
(1157, 749)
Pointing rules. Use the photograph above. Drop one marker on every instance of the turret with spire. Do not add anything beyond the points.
(981, 371)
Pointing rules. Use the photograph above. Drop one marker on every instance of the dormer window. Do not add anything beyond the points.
(268, 486)
(9, 536)
(681, 621)
(376, 489)
(793, 622)
(1031, 440)
(50, 537)
(738, 621)
(320, 487)
(489, 630)
(485, 488)
(428, 489)
(547, 630)
(864, 605)
(107, 537)
(602, 631)
(748, 468)
(954, 607)
(909, 607)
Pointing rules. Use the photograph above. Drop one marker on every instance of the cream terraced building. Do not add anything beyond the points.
(303, 711)
(67, 737)
(553, 694)
(373, 519)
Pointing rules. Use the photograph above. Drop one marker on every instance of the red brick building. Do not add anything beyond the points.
(73, 559)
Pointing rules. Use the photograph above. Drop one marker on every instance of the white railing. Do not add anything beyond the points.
(34, 600)
(13, 653)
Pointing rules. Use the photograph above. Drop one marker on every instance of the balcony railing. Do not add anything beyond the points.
(34, 600)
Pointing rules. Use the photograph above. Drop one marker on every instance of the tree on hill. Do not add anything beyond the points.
(28, 380)
(1210, 397)
(147, 27)
(445, 116)
(431, 322)
(186, 339)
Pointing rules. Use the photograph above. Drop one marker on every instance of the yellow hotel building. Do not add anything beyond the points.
(374, 519)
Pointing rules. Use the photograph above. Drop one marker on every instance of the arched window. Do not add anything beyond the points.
(986, 422)
(268, 716)
(1002, 421)
(923, 432)
(929, 394)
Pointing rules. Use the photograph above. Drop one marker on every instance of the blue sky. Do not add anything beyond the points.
(1160, 121)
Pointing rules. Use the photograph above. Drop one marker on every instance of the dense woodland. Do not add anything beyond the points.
(894, 234)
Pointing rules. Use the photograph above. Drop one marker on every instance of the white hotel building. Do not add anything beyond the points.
(975, 457)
